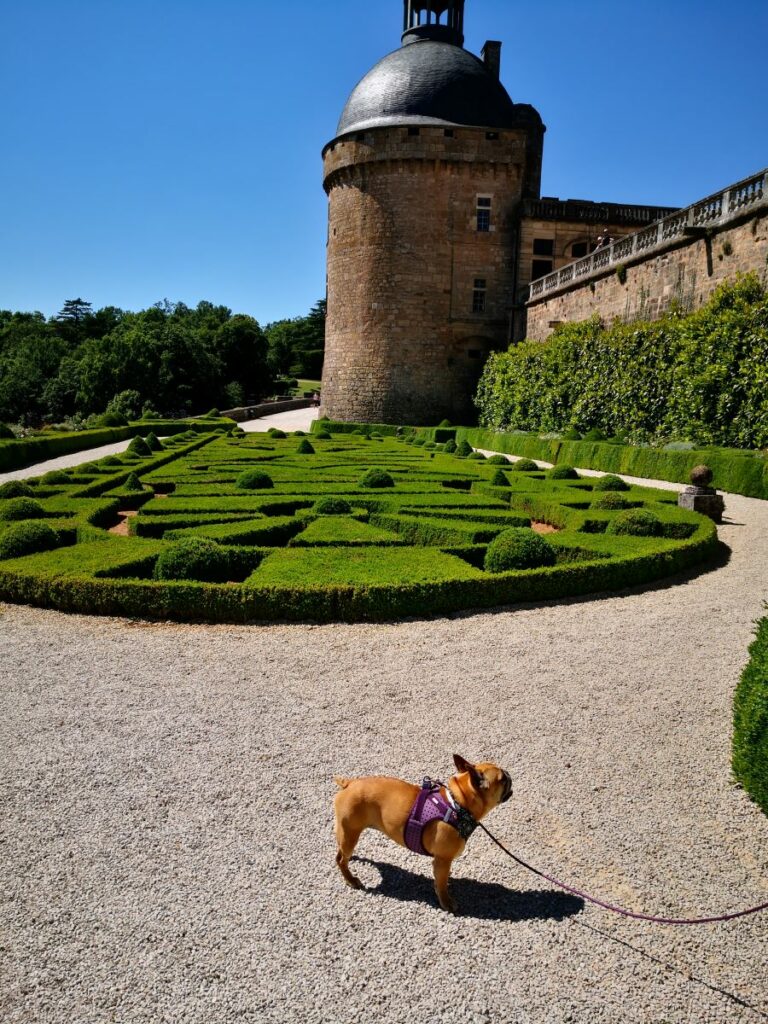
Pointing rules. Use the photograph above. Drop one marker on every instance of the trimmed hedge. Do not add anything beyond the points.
(28, 451)
(739, 472)
(518, 549)
(750, 733)
(21, 539)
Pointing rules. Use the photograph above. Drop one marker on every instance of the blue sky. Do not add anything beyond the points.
(171, 148)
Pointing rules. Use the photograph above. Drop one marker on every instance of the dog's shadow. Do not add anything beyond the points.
(486, 901)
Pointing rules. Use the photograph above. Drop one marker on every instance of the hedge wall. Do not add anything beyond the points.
(29, 451)
(750, 734)
(699, 377)
(738, 472)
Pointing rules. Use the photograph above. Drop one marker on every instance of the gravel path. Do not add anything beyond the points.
(66, 461)
(167, 853)
(295, 419)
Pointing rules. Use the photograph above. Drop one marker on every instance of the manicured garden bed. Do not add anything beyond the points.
(260, 528)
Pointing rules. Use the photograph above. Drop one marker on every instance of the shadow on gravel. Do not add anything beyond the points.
(486, 901)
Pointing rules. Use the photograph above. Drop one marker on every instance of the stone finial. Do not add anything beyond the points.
(701, 476)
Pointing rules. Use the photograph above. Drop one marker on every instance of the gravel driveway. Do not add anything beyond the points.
(167, 853)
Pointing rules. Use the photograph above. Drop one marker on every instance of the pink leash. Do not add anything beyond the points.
(621, 910)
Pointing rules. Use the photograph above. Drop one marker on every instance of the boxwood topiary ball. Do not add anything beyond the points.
(139, 446)
(476, 457)
(563, 472)
(27, 539)
(635, 522)
(322, 435)
(279, 435)
(194, 558)
(376, 478)
(498, 460)
(464, 449)
(524, 466)
(305, 448)
(58, 476)
(86, 469)
(16, 489)
(254, 480)
(499, 479)
(21, 508)
(450, 447)
(518, 548)
(610, 501)
(610, 482)
(332, 507)
(153, 442)
(133, 484)
(6, 434)
(299, 433)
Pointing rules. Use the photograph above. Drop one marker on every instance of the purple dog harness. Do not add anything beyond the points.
(431, 805)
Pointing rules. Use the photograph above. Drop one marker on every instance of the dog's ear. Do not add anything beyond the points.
(466, 766)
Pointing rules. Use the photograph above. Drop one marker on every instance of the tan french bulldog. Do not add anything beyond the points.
(388, 805)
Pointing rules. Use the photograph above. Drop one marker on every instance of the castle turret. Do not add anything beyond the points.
(430, 161)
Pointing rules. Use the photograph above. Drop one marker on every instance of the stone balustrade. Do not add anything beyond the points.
(714, 212)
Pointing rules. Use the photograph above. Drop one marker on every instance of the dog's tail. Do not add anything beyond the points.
(341, 782)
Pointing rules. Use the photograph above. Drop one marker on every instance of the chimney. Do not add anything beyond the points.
(491, 57)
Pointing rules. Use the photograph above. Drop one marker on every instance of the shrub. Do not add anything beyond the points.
(476, 457)
(254, 480)
(518, 548)
(430, 446)
(498, 460)
(139, 446)
(595, 434)
(110, 460)
(6, 434)
(499, 479)
(444, 423)
(111, 419)
(571, 434)
(563, 472)
(86, 469)
(376, 478)
(21, 508)
(610, 501)
(212, 414)
(750, 732)
(56, 477)
(148, 413)
(610, 482)
(450, 447)
(27, 539)
(524, 466)
(305, 447)
(195, 558)
(322, 435)
(635, 522)
(332, 507)
(299, 433)
(16, 489)
(133, 483)
(463, 450)
(153, 442)
(278, 435)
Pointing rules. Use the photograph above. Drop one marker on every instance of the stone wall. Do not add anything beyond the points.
(678, 262)
(403, 343)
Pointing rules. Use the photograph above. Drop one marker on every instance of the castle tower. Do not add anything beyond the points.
(424, 178)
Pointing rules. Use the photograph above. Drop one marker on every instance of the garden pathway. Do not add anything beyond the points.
(167, 850)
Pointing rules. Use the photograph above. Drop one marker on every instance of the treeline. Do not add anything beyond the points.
(700, 377)
(169, 359)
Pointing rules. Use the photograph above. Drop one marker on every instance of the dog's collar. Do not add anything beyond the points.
(465, 822)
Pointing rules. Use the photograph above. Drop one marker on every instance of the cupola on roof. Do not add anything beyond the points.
(431, 79)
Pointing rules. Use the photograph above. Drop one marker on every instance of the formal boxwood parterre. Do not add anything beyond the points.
(750, 734)
(322, 543)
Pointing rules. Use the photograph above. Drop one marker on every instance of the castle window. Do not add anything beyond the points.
(478, 295)
(413, 130)
(449, 133)
(543, 247)
(540, 268)
(578, 250)
(483, 213)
